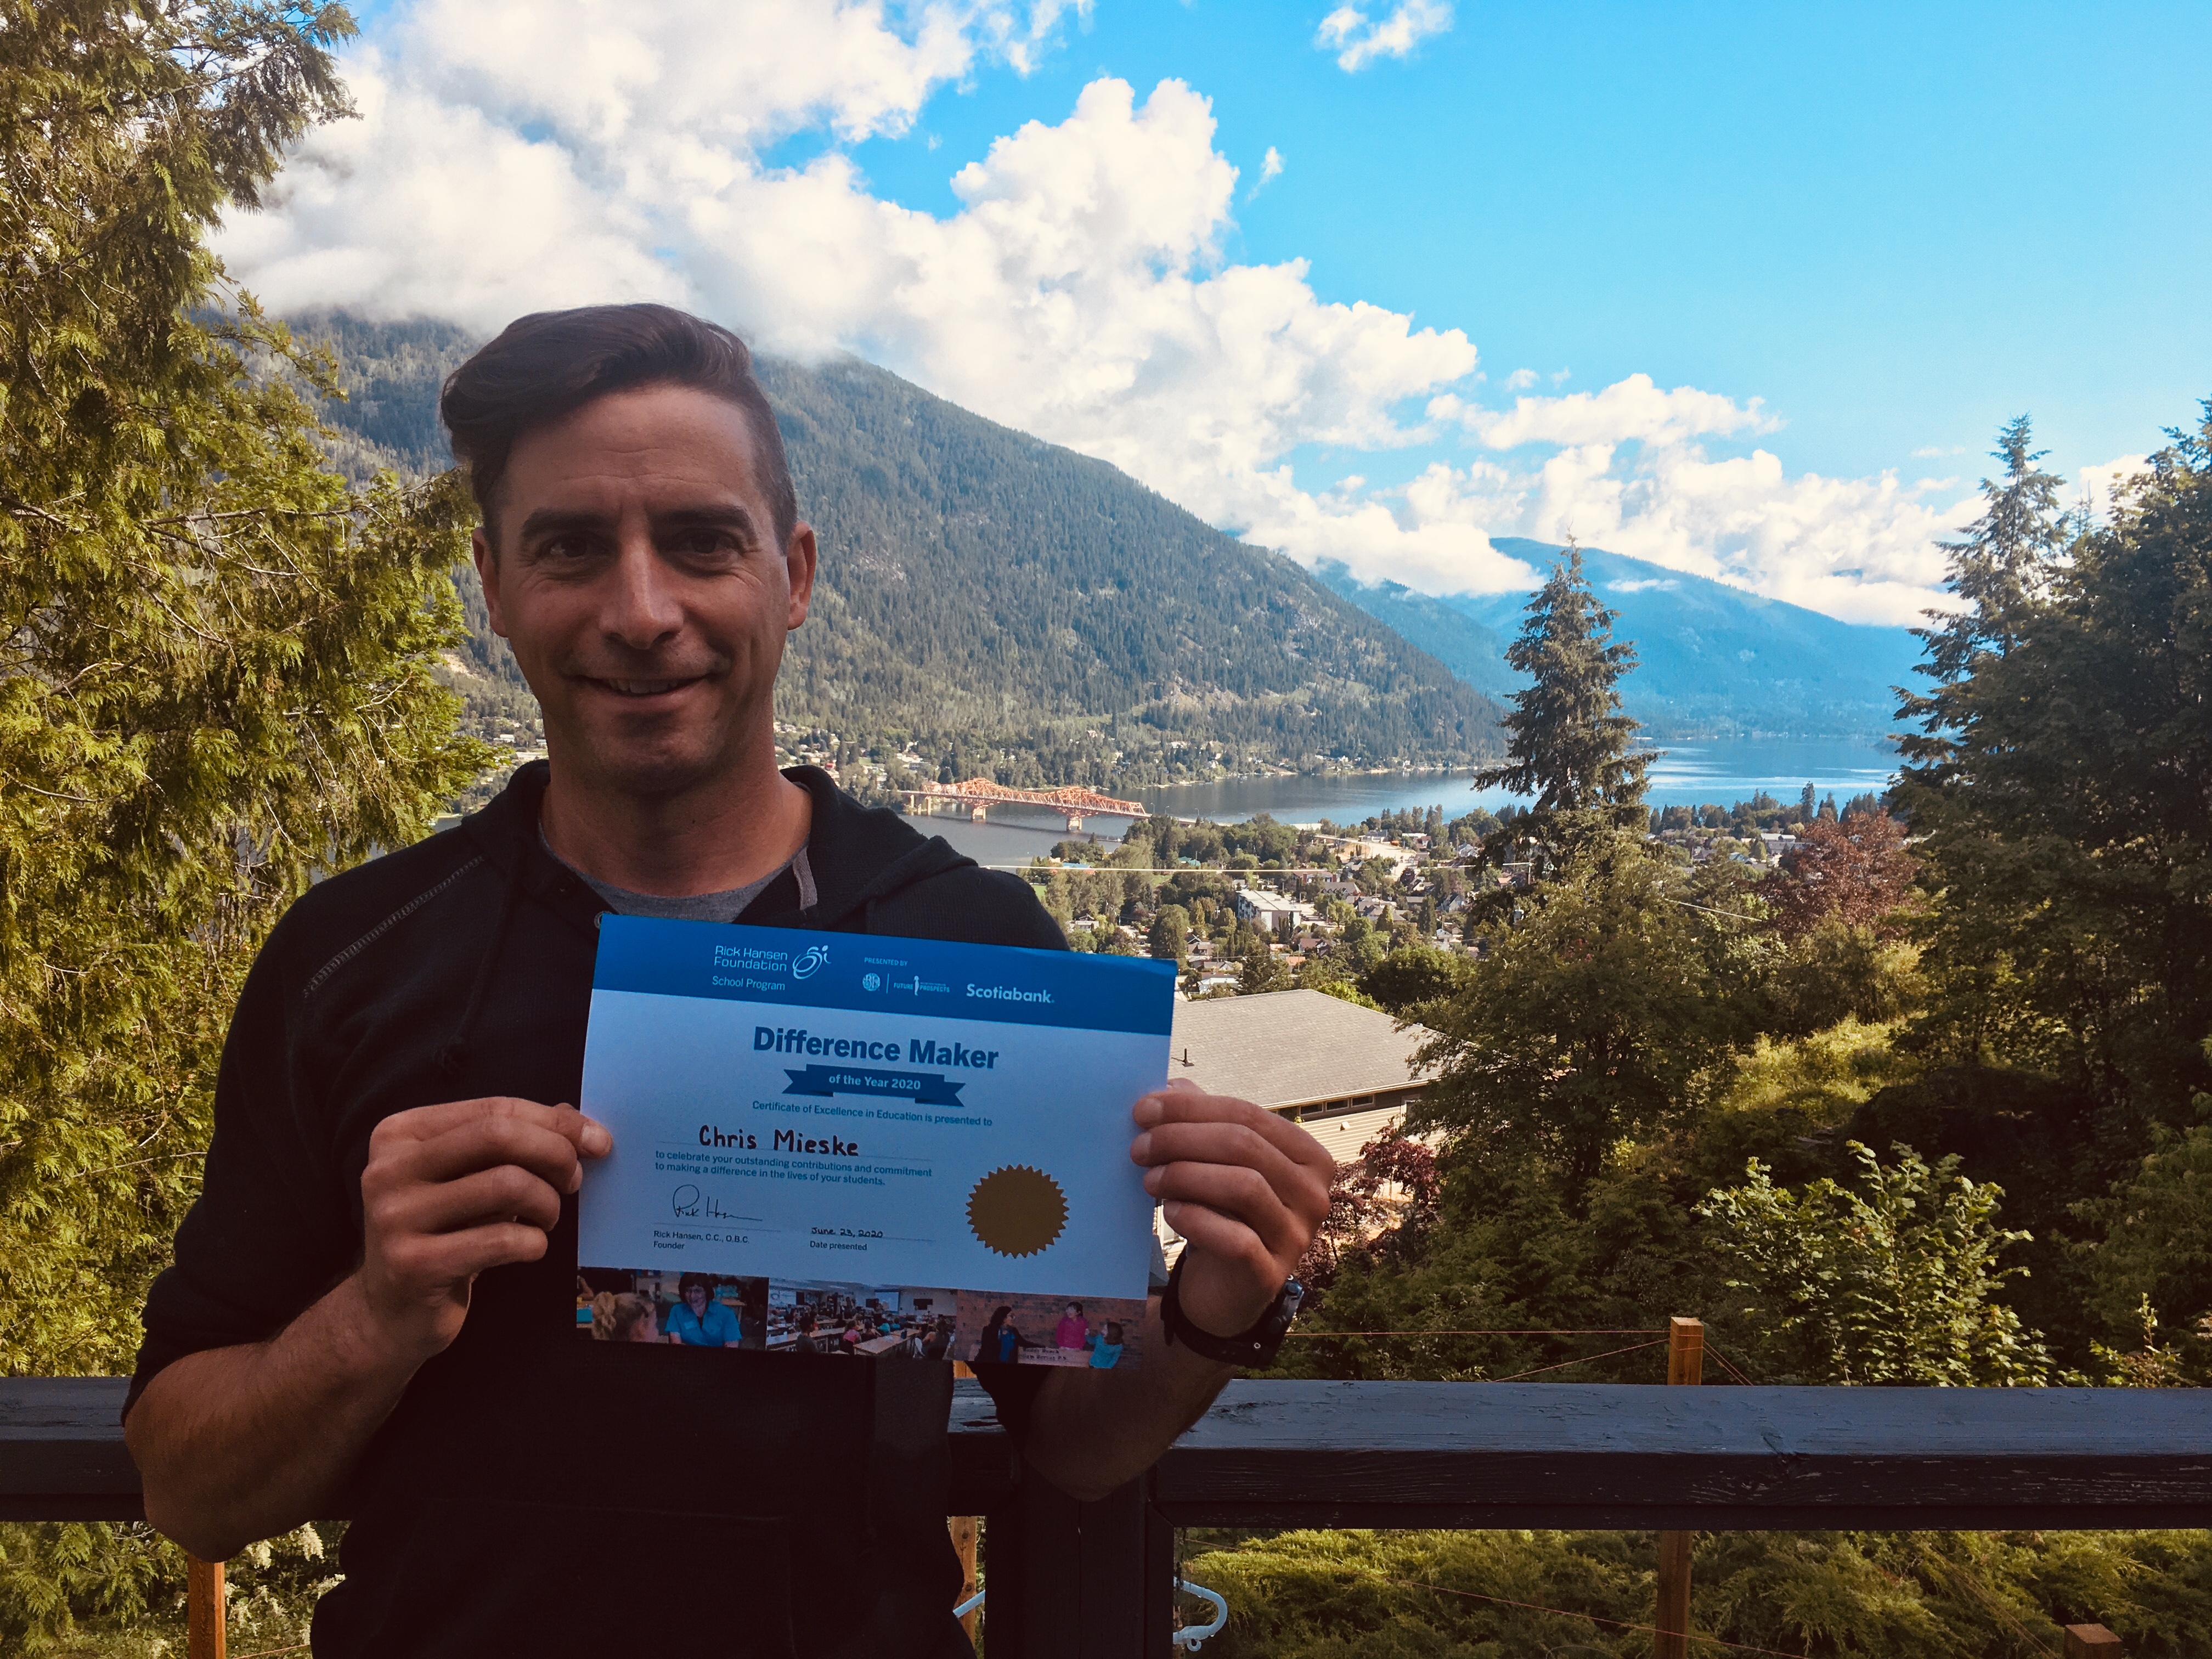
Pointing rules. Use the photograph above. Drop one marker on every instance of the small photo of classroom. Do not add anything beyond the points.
(1017, 1328)
(681, 1310)
(859, 1322)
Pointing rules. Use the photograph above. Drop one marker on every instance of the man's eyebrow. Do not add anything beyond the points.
(731, 515)
(551, 520)
(556, 521)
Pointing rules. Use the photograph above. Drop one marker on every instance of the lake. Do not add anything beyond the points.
(1685, 775)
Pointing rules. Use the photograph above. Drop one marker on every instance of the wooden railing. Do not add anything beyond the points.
(1095, 1581)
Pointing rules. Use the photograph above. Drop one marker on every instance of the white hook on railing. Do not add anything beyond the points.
(1190, 1635)
(1186, 1639)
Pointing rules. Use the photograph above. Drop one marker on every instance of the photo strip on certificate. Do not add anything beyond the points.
(833, 1144)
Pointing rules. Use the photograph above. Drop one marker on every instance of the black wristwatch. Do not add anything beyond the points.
(1255, 1349)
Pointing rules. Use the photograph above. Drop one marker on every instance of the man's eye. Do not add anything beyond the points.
(707, 544)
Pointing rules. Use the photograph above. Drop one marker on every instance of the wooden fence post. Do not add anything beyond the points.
(963, 1527)
(2091, 1642)
(203, 1620)
(1080, 1581)
(1685, 1365)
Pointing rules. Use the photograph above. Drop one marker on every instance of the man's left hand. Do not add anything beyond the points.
(1246, 1189)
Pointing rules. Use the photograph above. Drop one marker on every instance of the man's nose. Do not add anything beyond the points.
(641, 608)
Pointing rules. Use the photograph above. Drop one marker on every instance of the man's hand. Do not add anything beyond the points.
(1246, 1189)
(243, 1443)
(452, 1190)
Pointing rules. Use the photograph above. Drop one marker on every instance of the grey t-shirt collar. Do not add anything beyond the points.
(726, 906)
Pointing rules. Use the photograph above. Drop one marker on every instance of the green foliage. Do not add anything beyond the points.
(1883, 1595)
(2004, 567)
(2066, 830)
(1343, 990)
(1836, 972)
(1170, 937)
(72, 1589)
(2156, 1253)
(1894, 1282)
(218, 674)
(1568, 743)
(219, 677)
(1413, 976)
(1609, 1011)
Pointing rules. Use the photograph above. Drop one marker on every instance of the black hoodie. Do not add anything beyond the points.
(533, 1493)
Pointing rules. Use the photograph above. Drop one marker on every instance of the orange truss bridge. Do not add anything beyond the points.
(979, 793)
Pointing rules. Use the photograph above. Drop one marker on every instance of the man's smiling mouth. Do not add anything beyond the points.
(643, 687)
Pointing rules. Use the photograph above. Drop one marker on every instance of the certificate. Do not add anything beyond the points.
(843, 1144)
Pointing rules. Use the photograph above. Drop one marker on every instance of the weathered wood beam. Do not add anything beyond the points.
(1488, 1454)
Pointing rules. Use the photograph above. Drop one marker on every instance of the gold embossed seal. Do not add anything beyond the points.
(1017, 1210)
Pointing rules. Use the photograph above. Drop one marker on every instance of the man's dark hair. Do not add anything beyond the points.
(545, 367)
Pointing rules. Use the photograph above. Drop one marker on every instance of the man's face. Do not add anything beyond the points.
(639, 582)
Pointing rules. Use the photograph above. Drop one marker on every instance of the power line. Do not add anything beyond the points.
(1640, 1330)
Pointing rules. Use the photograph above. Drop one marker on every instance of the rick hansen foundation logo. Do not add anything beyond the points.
(1017, 1210)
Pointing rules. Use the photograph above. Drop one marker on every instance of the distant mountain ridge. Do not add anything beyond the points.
(1010, 607)
(1712, 660)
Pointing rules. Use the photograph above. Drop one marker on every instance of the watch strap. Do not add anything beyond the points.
(1255, 1349)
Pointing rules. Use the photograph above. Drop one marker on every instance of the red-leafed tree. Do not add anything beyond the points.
(1858, 872)
(1393, 1182)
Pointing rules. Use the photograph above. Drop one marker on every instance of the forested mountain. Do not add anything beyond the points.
(1712, 660)
(1008, 606)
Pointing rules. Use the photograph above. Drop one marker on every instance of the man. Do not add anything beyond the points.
(368, 1310)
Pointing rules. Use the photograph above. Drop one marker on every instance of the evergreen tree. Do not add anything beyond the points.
(1568, 743)
(2003, 567)
(2060, 803)
(217, 679)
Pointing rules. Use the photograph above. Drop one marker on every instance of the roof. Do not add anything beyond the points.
(1291, 1048)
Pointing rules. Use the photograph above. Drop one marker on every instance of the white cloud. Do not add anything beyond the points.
(1270, 169)
(1633, 408)
(2096, 485)
(515, 154)
(1358, 38)
(1520, 380)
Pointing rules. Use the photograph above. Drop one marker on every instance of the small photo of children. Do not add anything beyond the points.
(689, 1310)
(1017, 1328)
(836, 1318)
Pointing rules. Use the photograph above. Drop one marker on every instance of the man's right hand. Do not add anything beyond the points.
(243, 1443)
(451, 1190)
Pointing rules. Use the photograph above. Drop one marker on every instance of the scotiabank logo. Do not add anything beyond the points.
(1008, 994)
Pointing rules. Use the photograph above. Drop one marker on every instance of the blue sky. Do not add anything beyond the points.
(1840, 245)
(1899, 225)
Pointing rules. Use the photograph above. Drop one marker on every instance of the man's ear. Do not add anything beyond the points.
(798, 559)
(487, 563)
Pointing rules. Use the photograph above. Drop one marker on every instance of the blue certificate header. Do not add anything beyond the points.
(875, 973)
